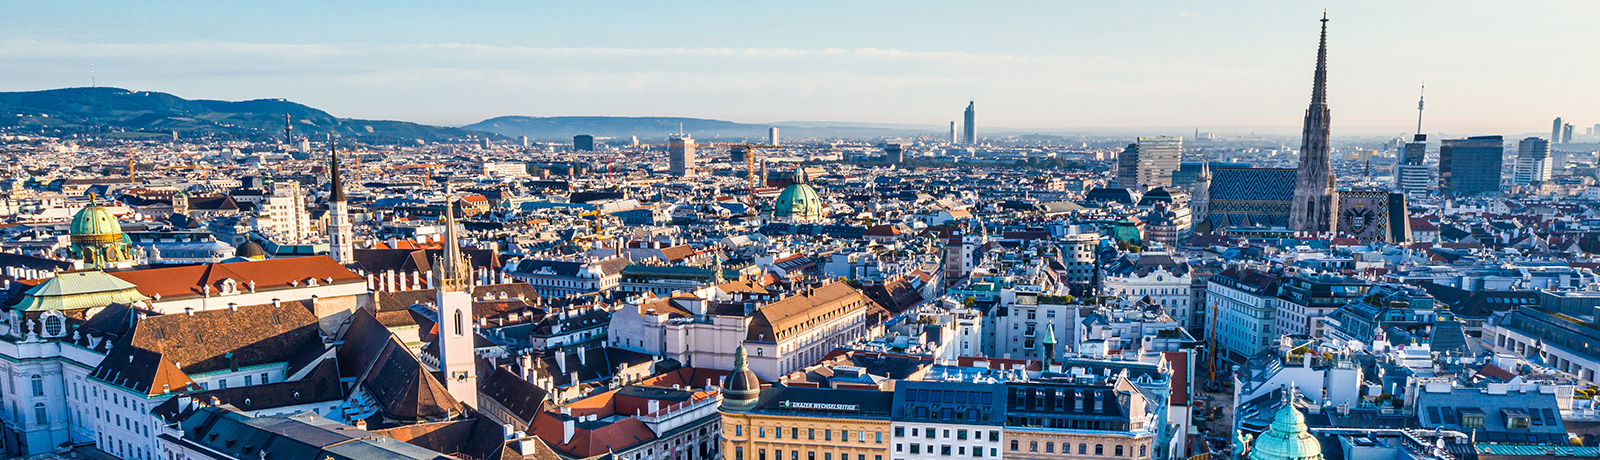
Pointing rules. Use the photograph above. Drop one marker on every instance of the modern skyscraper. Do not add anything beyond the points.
(1555, 131)
(341, 238)
(1566, 133)
(1533, 161)
(583, 143)
(680, 155)
(1312, 209)
(1471, 166)
(971, 128)
(953, 138)
(894, 153)
(772, 136)
(1149, 163)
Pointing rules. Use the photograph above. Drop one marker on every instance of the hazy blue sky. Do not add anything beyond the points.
(1490, 66)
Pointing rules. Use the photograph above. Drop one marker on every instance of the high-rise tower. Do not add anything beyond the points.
(453, 297)
(1314, 197)
(680, 155)
(341, 240)
(1555, 131)
(971, 129)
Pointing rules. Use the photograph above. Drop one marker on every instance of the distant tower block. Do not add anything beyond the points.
(583, 143)
(680, 155)
(524, 141)
(772, 136)
(953, 138)
(971, 128)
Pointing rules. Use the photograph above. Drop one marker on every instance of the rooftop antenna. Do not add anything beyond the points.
(1420, 93)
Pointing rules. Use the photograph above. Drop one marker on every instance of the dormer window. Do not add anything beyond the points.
(228, 286)
(312, 281)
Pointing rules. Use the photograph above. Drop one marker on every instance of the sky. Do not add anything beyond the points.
(1491, 67)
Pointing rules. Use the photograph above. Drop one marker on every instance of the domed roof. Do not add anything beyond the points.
(251, 250)
(95, 220)
(1287, 439)
(743, 388)
(798, 200)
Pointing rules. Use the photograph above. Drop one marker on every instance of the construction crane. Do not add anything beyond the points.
(750, 162)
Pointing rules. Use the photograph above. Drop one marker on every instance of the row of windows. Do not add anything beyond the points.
(961, 434)
(810, 433)
(1066, 447)
(761, 454)
(977, 452)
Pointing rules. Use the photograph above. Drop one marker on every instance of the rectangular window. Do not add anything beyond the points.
(916, 449)
(738, 430)
(811, 433)
(930, 432)
(738, 453)
(961, 435)
(761, 432)
(249, 380)
(879, 437)
(761, 454)
(944, 450)
(899, 432)
(827, 435)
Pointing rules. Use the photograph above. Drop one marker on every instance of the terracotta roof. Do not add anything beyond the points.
(778, 320)
(271, 274)
(1180, 377)
(212, 340)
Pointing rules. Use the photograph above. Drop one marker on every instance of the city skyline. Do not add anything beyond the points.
(1072, 67)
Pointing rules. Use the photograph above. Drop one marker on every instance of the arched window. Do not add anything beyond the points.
(1013, 445)
(1033, 446)
(1050, 447)
(38, 385)
(39, 415)
(1099, 449)
(1119, 451)
(459, 323)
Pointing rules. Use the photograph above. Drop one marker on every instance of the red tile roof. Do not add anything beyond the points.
(270, 274)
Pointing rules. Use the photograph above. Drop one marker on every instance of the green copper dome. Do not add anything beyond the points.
(798, 201)
(1287, 439)
(95, 220)
(97, 239)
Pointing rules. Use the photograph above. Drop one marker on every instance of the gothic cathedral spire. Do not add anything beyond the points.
(1314, 195)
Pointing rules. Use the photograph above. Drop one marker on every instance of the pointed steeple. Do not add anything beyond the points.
(1319, 87)
(1315, 200)
(453, 271)
(333, 172)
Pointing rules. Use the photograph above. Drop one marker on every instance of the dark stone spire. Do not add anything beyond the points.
(334, 173)
(1319, 87)
(1315, 200)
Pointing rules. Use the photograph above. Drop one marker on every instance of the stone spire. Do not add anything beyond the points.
(452, 270)
(1314, 195)
(334, 173)
(341, 238)
(1200, 201)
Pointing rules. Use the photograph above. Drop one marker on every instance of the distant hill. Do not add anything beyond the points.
(657, 128)
(116, 110)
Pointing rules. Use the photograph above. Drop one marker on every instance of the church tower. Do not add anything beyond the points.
(1200, 201)
(341, 240)
(1314, 196)
(454, 299)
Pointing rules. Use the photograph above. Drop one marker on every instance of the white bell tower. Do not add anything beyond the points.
(454, 298)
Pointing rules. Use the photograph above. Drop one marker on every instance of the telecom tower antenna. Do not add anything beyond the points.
(1419, 106)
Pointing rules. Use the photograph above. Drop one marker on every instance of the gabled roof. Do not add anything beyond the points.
(271, 274)
(211, 340)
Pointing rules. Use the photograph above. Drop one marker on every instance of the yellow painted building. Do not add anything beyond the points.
(796, 423)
